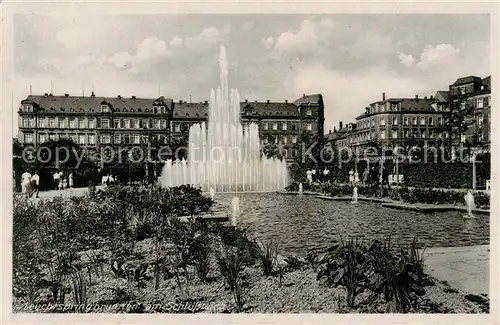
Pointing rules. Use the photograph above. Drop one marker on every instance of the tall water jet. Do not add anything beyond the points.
(300, 188)
(469, 203)
(222, 153)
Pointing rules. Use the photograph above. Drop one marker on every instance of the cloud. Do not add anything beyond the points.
(304, 38)
(208, 35)
(147, 54)
(268, 42)
(406, 59)
(435, 55)
(176, 42)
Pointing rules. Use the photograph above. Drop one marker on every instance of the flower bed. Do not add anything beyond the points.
(126, 250)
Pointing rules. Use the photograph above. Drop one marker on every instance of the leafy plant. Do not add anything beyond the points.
(230, 263)
(267, 255)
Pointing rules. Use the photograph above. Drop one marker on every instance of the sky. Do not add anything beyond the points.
(349, 58)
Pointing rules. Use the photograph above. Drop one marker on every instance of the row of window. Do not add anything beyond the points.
(283, 126)
(77, 138)
(279, 139)
(406, 121)
(90, 123)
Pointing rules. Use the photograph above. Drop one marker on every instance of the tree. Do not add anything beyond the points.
(457, 120)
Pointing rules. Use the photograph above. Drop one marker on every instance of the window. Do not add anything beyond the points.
(163, 124)
(382, 135)
(405, 120)
(431, 134)
(479, 103)
(156, 124)
(91, 139)
(275, 140)
(431, 120)
(126, 123)
(414, 120)
(52, 136)
(91, 123)
(81, 138)
(266, 125)
(41, 122)
(382, 121)
(372, 122)
(137, 124)
(308, 112)
(28, 122)
(126, 138)
(275, 126)
(42, 138)
(52, 123)
(28, 138)
(118, 137)
(293, 127)
(116, 123)
(177, 127)
(81, 123)
(284, 126)
(394, 134)
(72, 123)
(309, 127)
(284, 139)
(104, 123)
(105, 138)
(145, 123)
(407, 134)
(422, 120)
(439, 120)
(294, 139)
(394, 120)
(104, 108)
(137, 139)
(423, 134)
(265, 140)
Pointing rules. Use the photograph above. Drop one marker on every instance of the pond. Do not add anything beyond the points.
(302, 223)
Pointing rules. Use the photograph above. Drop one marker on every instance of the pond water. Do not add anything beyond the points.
(302, 223)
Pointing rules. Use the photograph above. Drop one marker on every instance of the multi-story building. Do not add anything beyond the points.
(102, 121)
(398, 122)
(476, 94)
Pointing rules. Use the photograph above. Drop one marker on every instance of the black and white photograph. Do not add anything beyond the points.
(242, 162)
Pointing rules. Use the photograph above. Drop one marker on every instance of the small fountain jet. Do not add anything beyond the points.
(469, 202)
(355, 195)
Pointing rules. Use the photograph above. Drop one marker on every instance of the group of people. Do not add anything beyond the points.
(61, 181)
(30, 183)
(372, 177)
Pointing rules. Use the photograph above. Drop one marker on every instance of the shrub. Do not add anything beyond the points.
(230, 263)
(267, 254)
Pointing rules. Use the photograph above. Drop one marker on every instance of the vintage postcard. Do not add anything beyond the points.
(250, 162)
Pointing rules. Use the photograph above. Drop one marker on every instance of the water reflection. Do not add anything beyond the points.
(301, 223)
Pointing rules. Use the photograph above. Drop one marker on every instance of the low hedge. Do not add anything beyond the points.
(409, 195)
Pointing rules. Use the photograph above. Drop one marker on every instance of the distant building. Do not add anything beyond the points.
(124, 122)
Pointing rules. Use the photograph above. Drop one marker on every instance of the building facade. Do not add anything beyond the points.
(94, 121)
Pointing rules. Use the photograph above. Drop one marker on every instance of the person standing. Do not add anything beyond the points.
(25, 183)
(365, 176)
(385, 177)
(35, 183)
(356, 177)
(56, 177)
(351, 176)
(70, 178)
(325, 175)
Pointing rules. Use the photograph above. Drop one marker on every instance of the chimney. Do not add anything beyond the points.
(286, 101)
(268, 101)
(432, 97)
(46, 94)
(119, 97)
(416, 97)
(425, 97)
(246, 100)
(329, 131)
(304, 95)
(206, 102)
(383, 96)
(92, 95)
(133, 97)
(180, 101)
(66, 95)
(340, 125)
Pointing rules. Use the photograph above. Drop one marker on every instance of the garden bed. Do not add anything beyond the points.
(124, 250)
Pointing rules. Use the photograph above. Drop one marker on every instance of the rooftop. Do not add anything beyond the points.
(467, 80)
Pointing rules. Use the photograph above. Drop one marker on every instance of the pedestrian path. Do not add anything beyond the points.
(464, 268)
